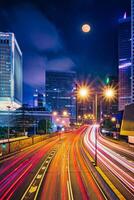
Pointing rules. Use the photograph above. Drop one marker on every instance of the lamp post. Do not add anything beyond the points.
(109, 94)
(8, 131)
(76, 100)
(46, 126)
(83, 94)
(65, 113)
(96, 119)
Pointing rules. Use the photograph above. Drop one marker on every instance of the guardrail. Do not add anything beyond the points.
(16, 145)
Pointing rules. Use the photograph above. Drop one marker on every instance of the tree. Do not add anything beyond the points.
(45, 126)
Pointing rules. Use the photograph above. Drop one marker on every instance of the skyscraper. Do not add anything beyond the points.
(10, 72)
(132, 49)
(124, 52)
(60, 91)
(38, 100)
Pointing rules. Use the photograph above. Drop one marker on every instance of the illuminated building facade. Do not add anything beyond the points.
(38, 100)
(10, 72)
(124, 52)
(132, 49)
(60, 91)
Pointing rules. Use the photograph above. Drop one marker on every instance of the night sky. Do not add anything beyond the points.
(49, 34)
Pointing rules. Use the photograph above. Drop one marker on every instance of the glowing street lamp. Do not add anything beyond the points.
(82, 95)
(65, 113)
(63, 122)
(57, 119)
(79, 117)
(83, 92)
(113, 119)
(109, 93)
(55, 113)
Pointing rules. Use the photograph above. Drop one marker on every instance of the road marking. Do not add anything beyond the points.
(43, 168)
(39, 176)
(90, 171)
(33, 189)
(114, 189)
(68, 189)
(131, 161)
(109, 183)
(87, 153)
(70, 194)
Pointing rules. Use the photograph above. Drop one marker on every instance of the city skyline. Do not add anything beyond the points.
(52, 44)
(72, 138)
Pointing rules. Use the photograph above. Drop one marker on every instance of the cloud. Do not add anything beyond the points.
(34, 29)
(34, 71)
(40, 42)
(60, 64)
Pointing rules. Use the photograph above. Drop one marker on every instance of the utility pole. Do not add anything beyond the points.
(96, 119)
(8, 132)
(46, 126)
(76, 103)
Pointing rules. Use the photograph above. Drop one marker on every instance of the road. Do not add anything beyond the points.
(116, 160)
(61, 167)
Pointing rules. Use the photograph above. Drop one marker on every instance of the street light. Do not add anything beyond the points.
(57, 119)
(83, 92)
(8, 132)
(65, 113)
(54, 113)
(109, 93)
(113, 119)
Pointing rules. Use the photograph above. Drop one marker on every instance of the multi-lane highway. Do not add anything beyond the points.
(62, 167)
(115, 159)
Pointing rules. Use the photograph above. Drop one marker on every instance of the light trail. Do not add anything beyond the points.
(107, 156)
(20, 168)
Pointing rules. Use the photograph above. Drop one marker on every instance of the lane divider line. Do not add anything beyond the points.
(33, 187)
(114, 189)
(106, 179)
(69, 185)
(105, 197)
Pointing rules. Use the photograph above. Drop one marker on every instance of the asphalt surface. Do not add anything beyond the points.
(114, 159)
(62, 167)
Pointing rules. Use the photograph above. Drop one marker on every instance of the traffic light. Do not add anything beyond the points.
(107, 80)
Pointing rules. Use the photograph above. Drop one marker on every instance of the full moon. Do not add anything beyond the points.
(86, 28)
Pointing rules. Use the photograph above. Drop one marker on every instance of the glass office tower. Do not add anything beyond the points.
(10, 72)
(60, 91)
(124, 52)
(132, 49)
